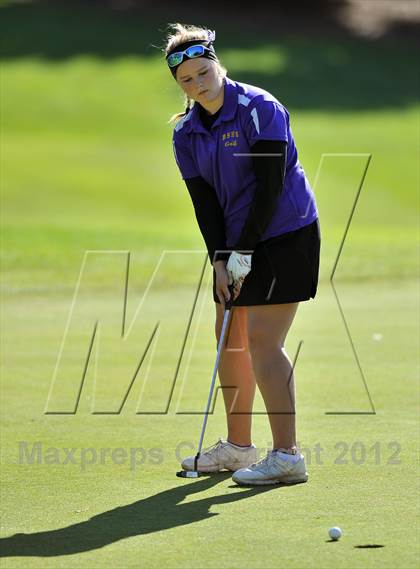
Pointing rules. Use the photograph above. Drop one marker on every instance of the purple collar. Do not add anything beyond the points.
(230, 104)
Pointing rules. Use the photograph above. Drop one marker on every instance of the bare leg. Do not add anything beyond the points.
(267, 329)
(236, 375)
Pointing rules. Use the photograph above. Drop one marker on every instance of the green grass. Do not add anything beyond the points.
(148, 516)
(96, 164)
(87, 165)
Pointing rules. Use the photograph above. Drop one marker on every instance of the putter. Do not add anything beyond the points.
(194, 473)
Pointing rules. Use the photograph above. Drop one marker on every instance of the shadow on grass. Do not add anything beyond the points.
(156, 513)
(304, 67)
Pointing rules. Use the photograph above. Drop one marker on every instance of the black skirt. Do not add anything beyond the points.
(283, 269)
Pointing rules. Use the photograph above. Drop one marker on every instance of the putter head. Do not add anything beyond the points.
(188, 474)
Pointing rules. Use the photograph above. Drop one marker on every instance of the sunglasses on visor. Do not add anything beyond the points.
(191, 52)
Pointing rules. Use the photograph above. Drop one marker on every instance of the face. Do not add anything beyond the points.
(199, 79)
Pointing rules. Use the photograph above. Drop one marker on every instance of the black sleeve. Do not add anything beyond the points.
(210, 218)
(269, 171)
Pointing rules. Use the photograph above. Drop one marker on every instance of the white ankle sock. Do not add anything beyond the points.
(238, 446)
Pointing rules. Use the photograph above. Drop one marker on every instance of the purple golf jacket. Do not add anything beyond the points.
(223, 158)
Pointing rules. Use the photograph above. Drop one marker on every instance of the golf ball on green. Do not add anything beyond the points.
(335, 533)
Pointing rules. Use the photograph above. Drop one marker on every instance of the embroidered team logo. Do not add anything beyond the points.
(230, 138)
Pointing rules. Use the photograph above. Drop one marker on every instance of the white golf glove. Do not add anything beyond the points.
(238, 266)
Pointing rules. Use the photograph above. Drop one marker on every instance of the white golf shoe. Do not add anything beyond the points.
(276, 468)
(223, 455)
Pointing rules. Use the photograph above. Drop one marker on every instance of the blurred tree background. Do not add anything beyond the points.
(325, 49)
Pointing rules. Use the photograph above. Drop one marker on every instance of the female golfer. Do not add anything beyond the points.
(258, 217)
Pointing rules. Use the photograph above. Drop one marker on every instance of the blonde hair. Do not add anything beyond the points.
(181, 33)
